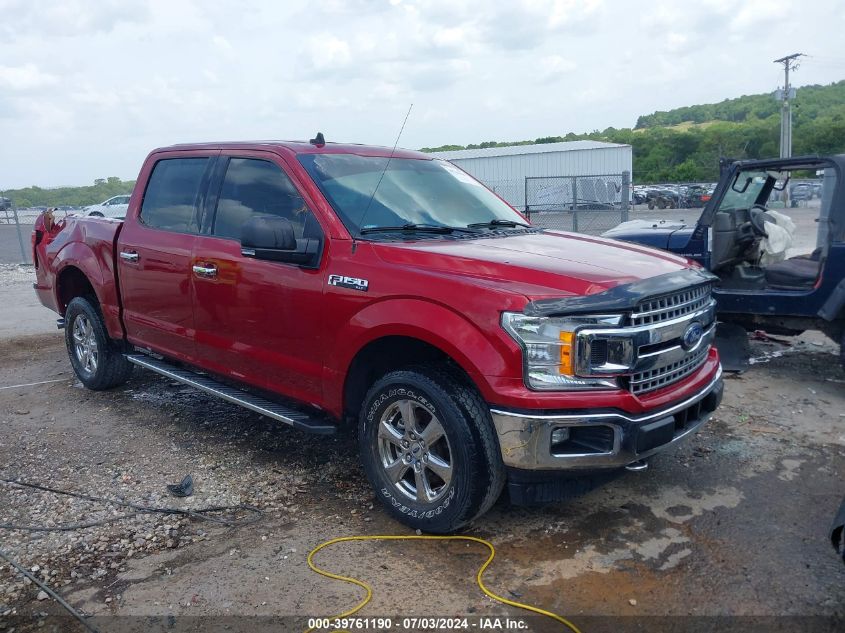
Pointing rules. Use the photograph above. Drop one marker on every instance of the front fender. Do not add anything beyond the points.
(478, 353)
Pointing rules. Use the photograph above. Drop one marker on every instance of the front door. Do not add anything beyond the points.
(258, 321)
(154, 256)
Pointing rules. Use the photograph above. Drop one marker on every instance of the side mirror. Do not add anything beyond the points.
(268, 233)
(273, 239)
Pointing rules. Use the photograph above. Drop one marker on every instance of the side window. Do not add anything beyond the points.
(170, 201)
(255, 187)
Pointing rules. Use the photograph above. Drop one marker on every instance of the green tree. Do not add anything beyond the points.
(102, 189)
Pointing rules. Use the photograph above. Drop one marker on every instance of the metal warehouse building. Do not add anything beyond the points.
(548, 174)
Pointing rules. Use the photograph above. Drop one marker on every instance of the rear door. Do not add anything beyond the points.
(258, 321)
(154, 254)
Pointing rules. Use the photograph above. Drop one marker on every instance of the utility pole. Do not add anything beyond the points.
(786, 95)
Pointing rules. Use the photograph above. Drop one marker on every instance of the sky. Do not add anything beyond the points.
(89, 87)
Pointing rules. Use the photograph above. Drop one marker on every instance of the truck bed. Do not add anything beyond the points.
(77, 249)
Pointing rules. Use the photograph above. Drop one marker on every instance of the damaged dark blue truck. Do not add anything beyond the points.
(786, 295)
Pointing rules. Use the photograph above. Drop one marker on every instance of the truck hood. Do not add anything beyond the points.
(655, 233)
(536, 265)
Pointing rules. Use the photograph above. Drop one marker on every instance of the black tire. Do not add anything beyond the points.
(95, 214)
(86, 331)
(476, 472)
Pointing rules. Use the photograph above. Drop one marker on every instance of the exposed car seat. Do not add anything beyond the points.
(728, 248)
(795, 272)
(724, 242)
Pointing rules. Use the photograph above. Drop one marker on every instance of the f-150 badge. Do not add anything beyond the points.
(353, 283)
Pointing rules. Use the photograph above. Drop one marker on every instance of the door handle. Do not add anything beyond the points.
(207, 271)
(129, 256)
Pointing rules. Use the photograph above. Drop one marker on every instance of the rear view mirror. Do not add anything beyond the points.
(744, 185)
(272, 238)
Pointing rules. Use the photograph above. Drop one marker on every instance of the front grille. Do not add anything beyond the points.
(671, 306)
(598, 353)
(662, 376)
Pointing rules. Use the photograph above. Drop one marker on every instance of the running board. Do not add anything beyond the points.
(296, 419)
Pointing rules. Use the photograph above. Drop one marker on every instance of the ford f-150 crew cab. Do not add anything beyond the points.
(322, 284)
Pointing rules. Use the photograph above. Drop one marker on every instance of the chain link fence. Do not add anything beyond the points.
(512, 191)
(15, 231)
(582, 204)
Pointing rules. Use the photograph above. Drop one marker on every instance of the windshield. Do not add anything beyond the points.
(432, 193)
(744, 191)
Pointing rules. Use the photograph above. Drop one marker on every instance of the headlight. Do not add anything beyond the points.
(549, 349)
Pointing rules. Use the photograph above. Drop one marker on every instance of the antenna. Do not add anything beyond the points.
(386, 165)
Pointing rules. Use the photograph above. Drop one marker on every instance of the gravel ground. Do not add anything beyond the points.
(733, 523)
(20, 311)
(231, 470)
(14, 274)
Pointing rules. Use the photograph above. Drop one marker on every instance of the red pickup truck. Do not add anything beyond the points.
(322, 284)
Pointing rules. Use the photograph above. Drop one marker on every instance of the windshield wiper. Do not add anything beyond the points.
(416, 228)
(499, 222)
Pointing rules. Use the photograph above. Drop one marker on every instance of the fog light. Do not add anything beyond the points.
(560, 435)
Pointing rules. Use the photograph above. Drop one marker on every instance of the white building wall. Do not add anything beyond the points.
(506, 174)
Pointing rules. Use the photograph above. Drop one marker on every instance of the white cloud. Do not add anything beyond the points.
(49, 19)
(26, 77)
(563, 12)
(222, 43)
(452, 37)
(88, 87)
(327, 52)
(555, 66)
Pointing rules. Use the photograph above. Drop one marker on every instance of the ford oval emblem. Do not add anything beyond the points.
(692, 335)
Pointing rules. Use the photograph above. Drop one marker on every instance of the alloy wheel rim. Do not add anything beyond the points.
(85, 344)
(415, 453)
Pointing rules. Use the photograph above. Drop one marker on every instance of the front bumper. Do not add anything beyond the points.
(600, 439)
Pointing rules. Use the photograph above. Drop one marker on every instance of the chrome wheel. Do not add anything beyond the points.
(85, 344)
(414, 450)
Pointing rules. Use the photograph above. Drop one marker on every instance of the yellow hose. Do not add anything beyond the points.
(478, 577)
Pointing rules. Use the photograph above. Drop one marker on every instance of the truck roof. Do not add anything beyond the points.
(300, 147)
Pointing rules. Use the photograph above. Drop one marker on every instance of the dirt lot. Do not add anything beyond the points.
(733, 523)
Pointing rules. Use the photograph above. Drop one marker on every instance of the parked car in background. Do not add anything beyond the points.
(115, 207)
(673, 196)
(696, 196)
(663, 198)
(639, 194)
(800, 192)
